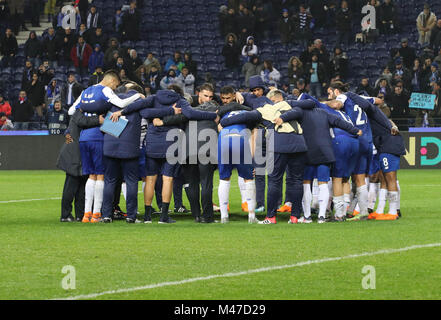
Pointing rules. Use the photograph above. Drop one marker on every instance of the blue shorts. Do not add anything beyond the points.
(141, 169)
(160, 166)
(346, 152)
(320, 172)
(364, 158)
(92, 160)
(233, 153)
(389, 162)
(375, 164)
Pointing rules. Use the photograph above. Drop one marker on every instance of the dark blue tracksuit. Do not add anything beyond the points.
(122, 155)
(381, 127)
(256, 102)
(289, 152)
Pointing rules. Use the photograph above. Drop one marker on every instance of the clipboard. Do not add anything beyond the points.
(113, 128)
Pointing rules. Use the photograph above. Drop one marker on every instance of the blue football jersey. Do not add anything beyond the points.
(358, 118)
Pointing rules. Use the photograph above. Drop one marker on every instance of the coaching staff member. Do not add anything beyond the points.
(69, 160)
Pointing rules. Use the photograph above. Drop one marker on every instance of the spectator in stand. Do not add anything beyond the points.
(301, 86)
(407, 53)
(295, 71)
(123, 75)
(270, 75)
(80, 55)
(190, 63)
(53, 93)
(175, 63)
(249, 49)
(383, 87)
(35, 93)
(82, 7)
(97, 37)
(22, 112)
(398, 103)
(5, 107)
(302, 22)
(437, 59)
(231, 52)
(151, 61)
(318, 11)
(57, 119)
(16, 10)
(435, 37)
(262, 16)
(109, 54)
(27, 73)
(252, 68)
(141, 76)
(223, 17)
(386, 74)
(425, 22)
(83, 32)
(169, 79)
(45, 73)
(70, 91)
(365, 86)
(119, 65)
(230, 22)
(343, 21)
(245, 22)
(383, 105)
(286, 27)
(93, 20)
(134, 62)
(322, 53)
(154, 80)
(66, 41)
(118, 23)
(317, 76)
(96, 59)
(306, 56)
(339, 63)
(50, 47)
(131, 23)
(8, 48)
(387, 15)
(33, 49)
(433, 76)
(417, 73)
(96, 77)
(401, 74)
(49, 9)
(186, 81)
(5, 123)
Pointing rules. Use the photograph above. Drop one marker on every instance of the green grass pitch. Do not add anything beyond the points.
(35, 247)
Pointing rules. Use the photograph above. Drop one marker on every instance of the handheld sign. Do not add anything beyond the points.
(422, 101)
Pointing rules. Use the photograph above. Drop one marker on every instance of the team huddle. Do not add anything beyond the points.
(338, 155)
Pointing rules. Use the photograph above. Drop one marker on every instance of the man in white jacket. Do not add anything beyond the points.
(425, 22)
(186, 81)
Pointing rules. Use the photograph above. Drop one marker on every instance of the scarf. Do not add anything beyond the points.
(92, 20)
(80, 54)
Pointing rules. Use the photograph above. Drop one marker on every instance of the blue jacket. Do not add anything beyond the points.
(127, 145)
(256, 82)
(156, 137)
(383, 139)
(316, 124)
(283, 142)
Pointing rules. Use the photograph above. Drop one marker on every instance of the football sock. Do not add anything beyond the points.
(98, 196)
(381, 201)
(330, 195)
(399, 196)
(393, 199)
(148, 212)
(89, 192)
(250, 192)
(224, 194)
(339, 206)
(164, 211)
(362, 194)
(124, 190)
(350, 205)
(307, 198)
(315, 193)
(323, 199)
(241, 184)
(372, 196)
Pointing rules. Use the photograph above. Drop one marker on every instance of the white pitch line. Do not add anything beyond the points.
(248, 272)
(29, 200)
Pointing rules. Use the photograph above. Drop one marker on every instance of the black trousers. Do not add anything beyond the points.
(74, 188)
(199, 178)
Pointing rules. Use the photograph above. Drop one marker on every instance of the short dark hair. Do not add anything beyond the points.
(227, 90)
(112, 73)
(339, 85)
(207, 86)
